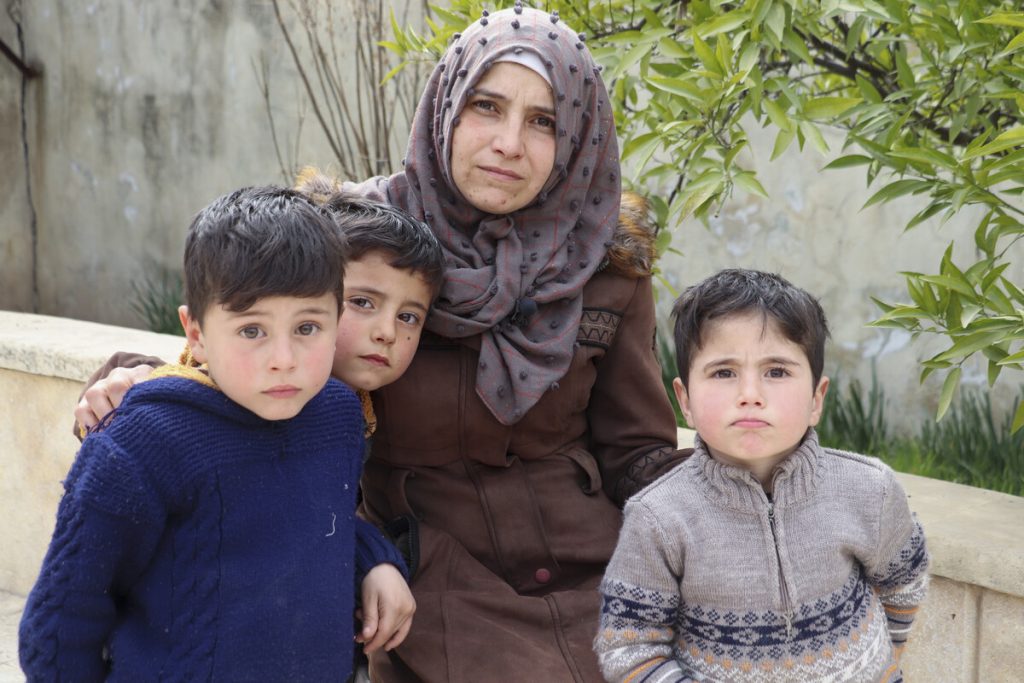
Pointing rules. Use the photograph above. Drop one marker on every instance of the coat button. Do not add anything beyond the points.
(542, 575)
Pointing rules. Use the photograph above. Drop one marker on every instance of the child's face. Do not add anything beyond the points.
(272, 358)
(751, 395)
(385, 309)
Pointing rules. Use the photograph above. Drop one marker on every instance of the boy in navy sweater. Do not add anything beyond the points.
(209, 531)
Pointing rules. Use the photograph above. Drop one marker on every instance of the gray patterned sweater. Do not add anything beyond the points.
(713, 580)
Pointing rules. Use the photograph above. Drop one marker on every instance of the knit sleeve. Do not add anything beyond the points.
(107, 526)
(640, 603)
(372, 549)
(900, 570)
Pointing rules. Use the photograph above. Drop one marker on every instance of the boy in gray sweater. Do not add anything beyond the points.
(764, 556)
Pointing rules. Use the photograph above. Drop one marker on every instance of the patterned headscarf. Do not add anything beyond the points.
(516, 279)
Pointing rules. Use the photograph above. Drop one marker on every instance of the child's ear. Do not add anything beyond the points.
(818, 400)
(683, 398)
(193, 334)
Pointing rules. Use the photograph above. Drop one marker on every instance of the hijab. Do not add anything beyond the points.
(516, 280)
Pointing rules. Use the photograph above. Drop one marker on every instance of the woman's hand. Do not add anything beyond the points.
(387, 610)
(107, 394)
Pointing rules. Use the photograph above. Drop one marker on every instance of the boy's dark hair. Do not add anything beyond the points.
(258, 242)
(738, 291)
(371, 226)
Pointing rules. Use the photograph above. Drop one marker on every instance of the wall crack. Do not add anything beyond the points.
(28, 72)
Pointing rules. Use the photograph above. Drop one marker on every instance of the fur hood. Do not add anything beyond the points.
(633, 249)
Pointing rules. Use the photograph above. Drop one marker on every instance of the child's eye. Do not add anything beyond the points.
(360, 302)
(409, 318)
(307, 329)
(251, 332)
(778, 373)
(722, 374)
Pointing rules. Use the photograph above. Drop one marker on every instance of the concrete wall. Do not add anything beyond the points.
(146, 111)
(16, 222)
(969, 631)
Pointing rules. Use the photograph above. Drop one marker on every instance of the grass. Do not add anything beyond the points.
(970, 445)
(156, 299)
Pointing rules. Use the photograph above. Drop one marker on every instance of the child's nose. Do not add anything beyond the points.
(750, 392)
(384, 331)
(282, 356)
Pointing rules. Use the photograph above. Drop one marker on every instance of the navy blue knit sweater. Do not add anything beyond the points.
(197, 541)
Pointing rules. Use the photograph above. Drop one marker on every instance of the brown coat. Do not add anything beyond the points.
(517, 523)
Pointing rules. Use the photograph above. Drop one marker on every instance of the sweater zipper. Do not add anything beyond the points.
(787, 610)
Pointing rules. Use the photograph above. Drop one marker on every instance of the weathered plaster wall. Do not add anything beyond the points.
(146, 112)
(813, 231)
(15, 214)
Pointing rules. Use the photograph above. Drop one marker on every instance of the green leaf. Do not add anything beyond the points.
(971, 343)
(629, 60)
(642, 145)
(926, 156)
(848, 161)
(903, 70)
(1011, 138)
(699, 197)
(812, 133)
(1004, 19)
(957, 284)
(896, 189)
(673, 49)
(775, 21)
(748, 182)
(828, 108)
(926, 213)
(678, 86)
(782, 141)
(1018, 419)
(796, 45)
(867, 90)
(707, 56)
(777, 115)
(948, 387)
(1014, 45)
(722, 24)
(1013, 359)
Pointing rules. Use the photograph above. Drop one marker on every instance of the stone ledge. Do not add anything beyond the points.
(72, 349)
(974, 535)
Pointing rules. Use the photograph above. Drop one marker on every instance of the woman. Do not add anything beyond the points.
(534, 406)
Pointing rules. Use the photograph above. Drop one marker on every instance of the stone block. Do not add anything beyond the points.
(1001, 638)
(944, 639)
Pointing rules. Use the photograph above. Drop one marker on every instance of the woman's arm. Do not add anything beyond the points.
(105, 390)
(633, 428)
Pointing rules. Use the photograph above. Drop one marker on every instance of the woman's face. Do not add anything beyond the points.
(503, 149)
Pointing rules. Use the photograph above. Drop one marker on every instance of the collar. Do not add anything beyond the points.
(794, 480)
